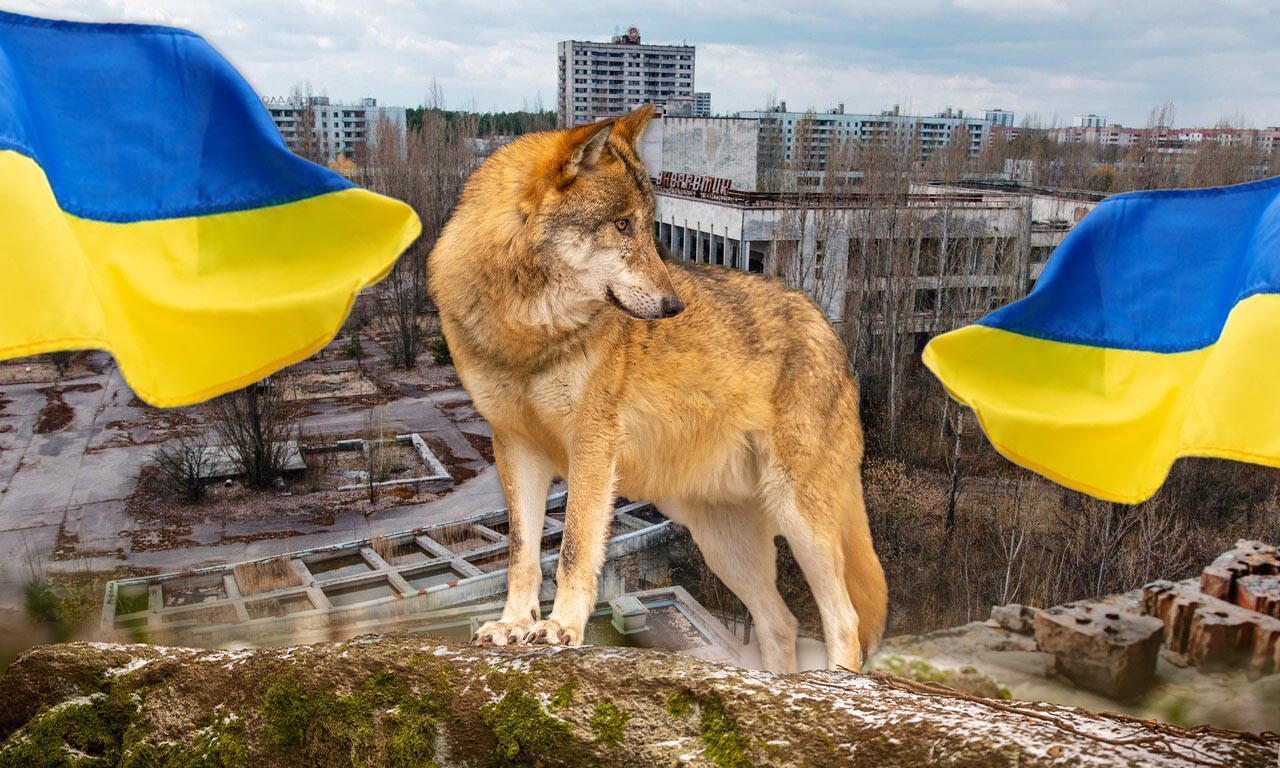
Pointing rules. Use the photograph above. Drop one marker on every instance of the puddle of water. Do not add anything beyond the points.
(337, 567)
(601, 632)
(278, 606)
(130, 622)
(490, 563)
(193, 591)
(131, 598)
(363, 592)
(551, 543)
(430, 577)
(402, 552)
(667, 628)
(223, 614)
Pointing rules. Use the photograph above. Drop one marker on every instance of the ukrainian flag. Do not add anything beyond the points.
(1153, 333)
(149, 207)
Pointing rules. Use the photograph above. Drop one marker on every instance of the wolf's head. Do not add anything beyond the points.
(589, 214)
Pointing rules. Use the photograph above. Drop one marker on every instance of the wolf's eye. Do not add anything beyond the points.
(622, 225)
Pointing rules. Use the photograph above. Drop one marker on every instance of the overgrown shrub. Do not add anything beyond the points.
(183, 465)
(440, 351)
(257, 425)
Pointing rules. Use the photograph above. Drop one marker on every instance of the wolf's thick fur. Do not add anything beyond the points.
(737, 415)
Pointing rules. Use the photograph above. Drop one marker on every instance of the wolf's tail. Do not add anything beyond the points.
(864, 579)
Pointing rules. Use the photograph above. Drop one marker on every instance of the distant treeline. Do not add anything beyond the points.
(487, 123)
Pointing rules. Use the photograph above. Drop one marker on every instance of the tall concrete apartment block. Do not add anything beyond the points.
(1091, 121)
(701, 104)
(339, 128)
(599, 80)
(1000, 117)
(832, 126)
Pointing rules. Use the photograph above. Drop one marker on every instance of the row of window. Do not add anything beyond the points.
(597, 53)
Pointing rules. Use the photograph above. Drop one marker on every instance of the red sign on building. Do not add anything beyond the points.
(692, 182)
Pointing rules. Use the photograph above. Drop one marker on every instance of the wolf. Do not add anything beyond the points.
(723, 397)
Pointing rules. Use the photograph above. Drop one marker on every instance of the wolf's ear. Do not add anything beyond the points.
(631, 126)
(582, 150)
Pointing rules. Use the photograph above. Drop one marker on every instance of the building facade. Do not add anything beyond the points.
(1172, 140)
(833, 126)
(949, 253)
(1000, 117)
(754, 148)
(599, 80)
(338, 129)
(1091, 121)
(701, 104)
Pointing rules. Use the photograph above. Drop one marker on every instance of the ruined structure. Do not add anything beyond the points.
(437, 578)
(1203, 650)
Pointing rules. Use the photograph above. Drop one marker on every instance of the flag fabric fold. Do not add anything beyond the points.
(1153, 333)
(149, 207)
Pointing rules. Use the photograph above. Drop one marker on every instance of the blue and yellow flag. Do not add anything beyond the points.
(148, 206)
(1153, 333)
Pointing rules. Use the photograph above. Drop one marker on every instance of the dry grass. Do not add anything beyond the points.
(266, 576)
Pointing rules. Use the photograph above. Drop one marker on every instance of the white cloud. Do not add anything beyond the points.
(1053, 58)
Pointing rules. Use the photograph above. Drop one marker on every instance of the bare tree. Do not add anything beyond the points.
(813, 229)
(1150, 162)
(425, 168)
(256, 426)
(770, 161)
(882, 264)
(375, 451)
(184, 464)
(310, 142)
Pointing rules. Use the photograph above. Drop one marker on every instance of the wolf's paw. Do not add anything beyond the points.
(552, 632)
(500, 633)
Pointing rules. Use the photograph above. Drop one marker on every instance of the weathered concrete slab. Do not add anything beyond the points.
(220, 461)
(1015, 617)
(1245, 559)
(1100, 647)
(1259, 593)
(1213, 633)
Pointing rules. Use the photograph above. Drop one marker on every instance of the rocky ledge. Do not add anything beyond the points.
(407, 700)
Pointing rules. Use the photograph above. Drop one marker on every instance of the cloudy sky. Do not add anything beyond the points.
(1052, 59)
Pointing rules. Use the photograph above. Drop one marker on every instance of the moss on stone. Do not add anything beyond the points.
(411, 737)
(83, 733)
(525, 731)
(563, 696)
(679, 704)
(722, 742)
(383, 688)
(914, 669)
(609, 723)
(108, 728)
(325, 729)
(220, 744)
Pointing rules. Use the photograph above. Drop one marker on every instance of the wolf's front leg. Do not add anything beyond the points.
(586, 531)
(526, 475)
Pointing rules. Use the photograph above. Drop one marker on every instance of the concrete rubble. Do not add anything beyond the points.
(1199, 651)
(1101, 648)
